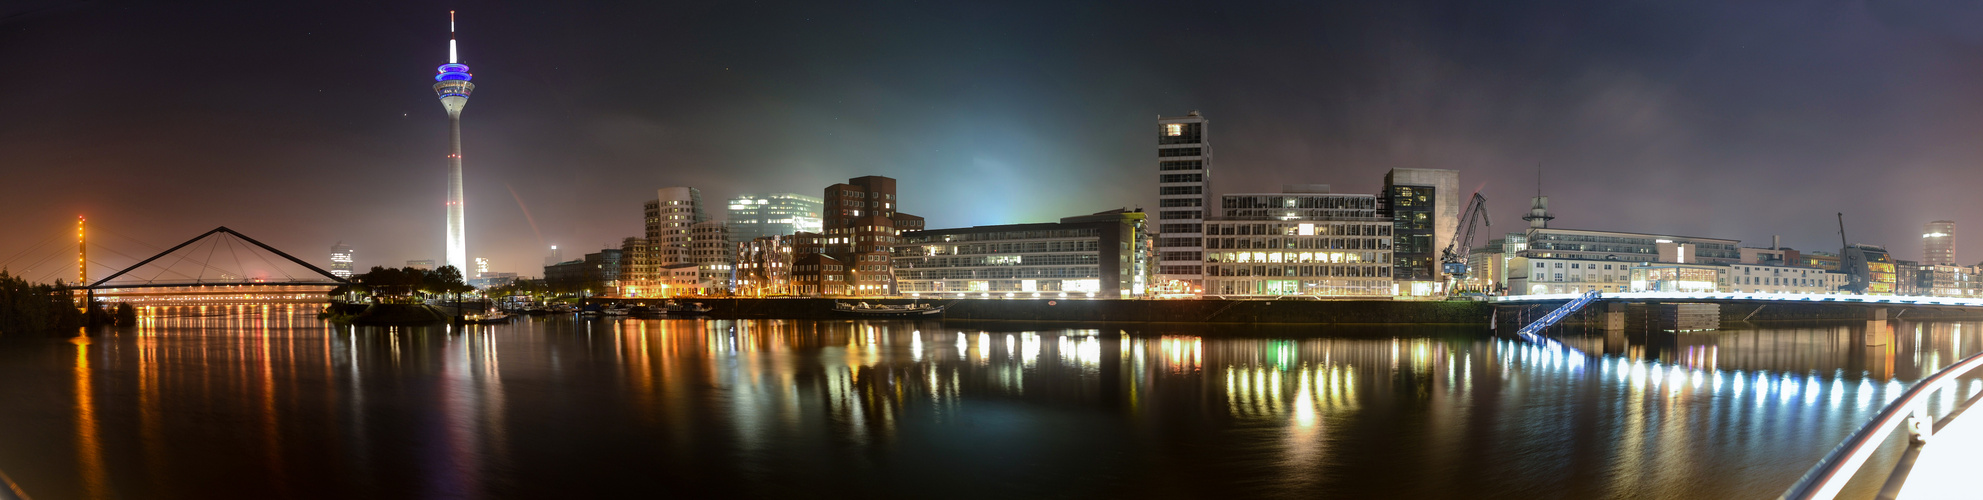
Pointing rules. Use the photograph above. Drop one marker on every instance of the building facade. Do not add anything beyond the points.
(753, 216)
(1551, 275)
(1299, 242)
(1092, 256)
(1184, 176)
(1423, 205)
(862, 223)
(764, 266)
(710, 250)
(341, 256)
(1631, 247)
(1765, 278)
(667, 222)
(1938, 243)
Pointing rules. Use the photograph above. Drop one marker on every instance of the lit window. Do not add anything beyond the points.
(1173, 129)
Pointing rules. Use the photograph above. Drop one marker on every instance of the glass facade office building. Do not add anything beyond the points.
(753, 216)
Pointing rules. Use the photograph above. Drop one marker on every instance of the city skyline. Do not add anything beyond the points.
(1634, 133)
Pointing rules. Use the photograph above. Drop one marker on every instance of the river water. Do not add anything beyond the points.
(256, 402)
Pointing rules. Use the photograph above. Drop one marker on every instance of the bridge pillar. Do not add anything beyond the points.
(1614, 316)
(1876, 327)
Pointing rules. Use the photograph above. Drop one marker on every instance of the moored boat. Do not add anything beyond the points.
(887, 310)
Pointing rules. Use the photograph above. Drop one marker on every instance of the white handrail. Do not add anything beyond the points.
(1829, 476)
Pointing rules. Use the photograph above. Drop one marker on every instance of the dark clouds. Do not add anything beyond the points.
(306, 125)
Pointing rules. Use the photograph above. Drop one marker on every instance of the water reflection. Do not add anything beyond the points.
(262, 401)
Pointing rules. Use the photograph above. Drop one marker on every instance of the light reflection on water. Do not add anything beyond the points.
(268, 402)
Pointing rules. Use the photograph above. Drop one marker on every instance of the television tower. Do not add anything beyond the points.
(453, 87)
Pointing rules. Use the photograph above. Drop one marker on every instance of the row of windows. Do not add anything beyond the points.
(1181, 202)
(1180, 190)
(1301, 201)
(1168, 152)
(1065, 259)
(1181, 214)
(1181, 165)
(1300, 243)
(1298, 287)
(1180, 133)
(1365, 271)
(1016, 247)
(1573, 265)
(1179, 229)
(1301, 213)
(1006, 235)
(1180, 270)
(1298, 257)
(1000, 273)
(1176, 256)
(1179, 242)
(1181, 178)
(1286, 229)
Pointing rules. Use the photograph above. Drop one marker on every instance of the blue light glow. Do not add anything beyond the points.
(453, 72)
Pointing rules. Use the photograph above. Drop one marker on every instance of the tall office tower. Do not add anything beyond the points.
(555, 257)
(340, 260)
(1424, 208)
(1938, 241)
(754, 216)
(1184, 163)
(453, 88)
(481, 267)
(669, 217)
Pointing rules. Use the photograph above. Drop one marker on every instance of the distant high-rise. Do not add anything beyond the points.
(481, 267)
(669, 217)
(754, 216)
(1184, 162)
(1938, 243)
(340, 260)
(427, 265)
(453, 88)
(556, 257)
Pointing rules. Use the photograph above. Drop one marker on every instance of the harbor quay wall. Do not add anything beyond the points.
(1080, 310)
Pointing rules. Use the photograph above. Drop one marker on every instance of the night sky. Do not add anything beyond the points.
(304, 125)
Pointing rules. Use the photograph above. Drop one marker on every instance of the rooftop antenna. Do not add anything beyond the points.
(451, 52)
(1538, 216)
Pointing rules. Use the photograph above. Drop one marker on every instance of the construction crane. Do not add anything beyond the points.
(1453, 260)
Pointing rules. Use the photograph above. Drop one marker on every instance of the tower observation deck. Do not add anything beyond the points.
(452, 86)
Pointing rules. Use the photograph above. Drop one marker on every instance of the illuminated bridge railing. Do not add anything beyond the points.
(1910, 412)
(1576, 303)
(1773, 297)
(217, 294)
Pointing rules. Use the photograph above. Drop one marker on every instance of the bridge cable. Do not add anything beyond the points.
(60, 269)
(203, 270)
(182, 258)
(17, 256)
(159, 272)
(237, 261)
(265, 260)
(133, 240)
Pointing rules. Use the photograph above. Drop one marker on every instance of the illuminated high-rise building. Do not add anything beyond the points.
(340, 260)
(453, 87)
(1184, 163)
(1938, 243)
(754, 216)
